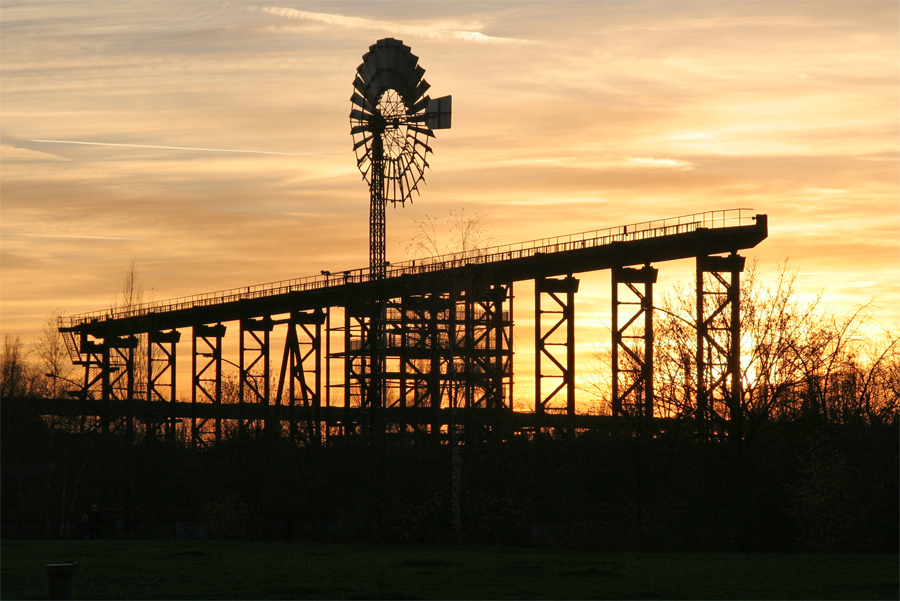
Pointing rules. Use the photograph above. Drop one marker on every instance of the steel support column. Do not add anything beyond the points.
(161, 371)
(487, 350)
(301, 372)
(547, 341)
(206, 370)
(253, 365)
(94, 377)
(632, 342)
(363, 365)
(718, 362)
(118, 379)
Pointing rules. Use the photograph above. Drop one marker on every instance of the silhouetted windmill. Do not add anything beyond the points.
(391, 122)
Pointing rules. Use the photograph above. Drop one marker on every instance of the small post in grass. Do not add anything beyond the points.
(62, 579)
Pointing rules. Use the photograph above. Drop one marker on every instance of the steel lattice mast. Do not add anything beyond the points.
(377, 258)
(391, 120)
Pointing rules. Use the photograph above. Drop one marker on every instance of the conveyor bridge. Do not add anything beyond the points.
(422, 345)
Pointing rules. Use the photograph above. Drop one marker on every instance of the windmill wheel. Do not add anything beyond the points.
(392, 119)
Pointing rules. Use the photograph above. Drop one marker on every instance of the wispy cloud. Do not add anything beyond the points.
(290, 154)
(79, 237)
(398, 28)
(659, 163)
(608, 163)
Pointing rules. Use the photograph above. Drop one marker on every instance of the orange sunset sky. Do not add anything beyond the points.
(568, 116)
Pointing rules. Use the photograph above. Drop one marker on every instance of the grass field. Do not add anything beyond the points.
(118, 569)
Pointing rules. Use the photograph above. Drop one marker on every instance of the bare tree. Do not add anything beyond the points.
(132, 297)
(425, 243)
(798, 360)
(53, 355)
(467, 232)
(17, 376)
(132, 290)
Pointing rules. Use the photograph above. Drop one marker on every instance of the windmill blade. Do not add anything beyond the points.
(406, 66)
(360, 129)
(419, 106)
(365, 73)
(420, 130)
(359, 116)
(387, 54)
(361, 102)
(361, 142)
(420, 90)
(418, 74)
(360, 85)
(422, 143)
(371, 62)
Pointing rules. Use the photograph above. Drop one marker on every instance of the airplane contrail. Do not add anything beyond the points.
(290, 154)
(359, 23)
(70, 236)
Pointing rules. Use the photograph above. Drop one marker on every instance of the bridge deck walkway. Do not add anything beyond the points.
(674, 238)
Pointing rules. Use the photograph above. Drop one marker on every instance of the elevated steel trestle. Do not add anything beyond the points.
(424, 346)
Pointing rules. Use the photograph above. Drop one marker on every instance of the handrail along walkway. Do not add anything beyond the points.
(589, 239)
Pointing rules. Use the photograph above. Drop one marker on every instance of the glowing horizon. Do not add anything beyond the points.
(567, 117)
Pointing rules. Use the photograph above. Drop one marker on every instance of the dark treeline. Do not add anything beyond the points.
(810, 485)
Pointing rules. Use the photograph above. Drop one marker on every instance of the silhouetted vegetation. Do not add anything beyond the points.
(808, 485)
(799, 361)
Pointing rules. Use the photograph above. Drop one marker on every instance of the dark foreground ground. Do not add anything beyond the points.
(119, 569)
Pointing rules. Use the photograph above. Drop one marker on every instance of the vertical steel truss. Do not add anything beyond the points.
(94, 376)
(486, 349)
(301, 372)
(632, 343)
(377, 256)
(108, 377)
(161, 381)
(253, 387)
(118, 382)
(545, 343)
(363, 392)
(719, 389)
(438, 351)
(418, 341)
(206, 369)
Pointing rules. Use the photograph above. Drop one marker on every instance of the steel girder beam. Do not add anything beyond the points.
(206, 370)
(547, 342)
(632, 342)
(161, 372)
(718, 361)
